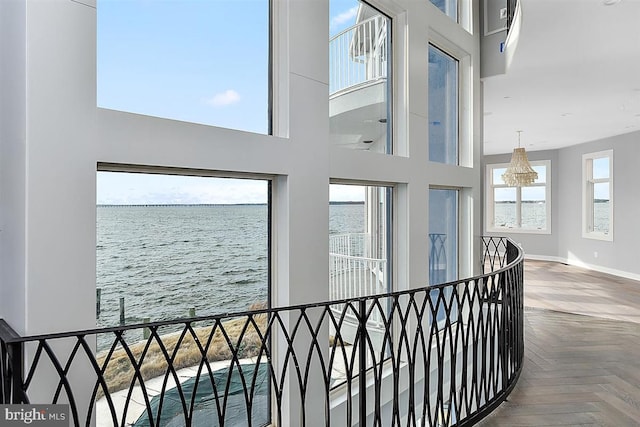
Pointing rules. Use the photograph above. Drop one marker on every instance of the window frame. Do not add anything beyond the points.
(588, 196)
(490, 202)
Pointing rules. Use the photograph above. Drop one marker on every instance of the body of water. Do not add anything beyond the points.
(534, 215)
(165, 260)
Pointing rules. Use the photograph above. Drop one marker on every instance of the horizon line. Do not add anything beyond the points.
(116, 205)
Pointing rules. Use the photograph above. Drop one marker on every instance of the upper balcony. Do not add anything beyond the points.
(358, 88)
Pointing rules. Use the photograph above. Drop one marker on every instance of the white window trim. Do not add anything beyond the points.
(587, 195)
(489, 205)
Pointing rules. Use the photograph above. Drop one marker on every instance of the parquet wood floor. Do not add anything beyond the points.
(582, 351)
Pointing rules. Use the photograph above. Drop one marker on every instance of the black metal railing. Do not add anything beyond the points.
(306, 365)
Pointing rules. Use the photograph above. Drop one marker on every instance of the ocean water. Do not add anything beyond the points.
(534, 215)
(165, 260)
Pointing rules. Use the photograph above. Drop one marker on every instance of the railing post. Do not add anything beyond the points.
(15, 351)
(362, 361)
(504, 332)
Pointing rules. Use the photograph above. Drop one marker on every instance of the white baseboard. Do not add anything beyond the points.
(578, 263)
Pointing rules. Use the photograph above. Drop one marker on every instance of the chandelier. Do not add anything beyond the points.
(519, 173)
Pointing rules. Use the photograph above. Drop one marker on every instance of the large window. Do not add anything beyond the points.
(443, 107)
(519, 209)
(170, 245)
(360, 244)
(360, 77)
(597, 210)
(197, 61)
(176, 246)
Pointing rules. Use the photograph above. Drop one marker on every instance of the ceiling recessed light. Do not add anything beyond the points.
(382, 120)
(367, 141)
(610, 2)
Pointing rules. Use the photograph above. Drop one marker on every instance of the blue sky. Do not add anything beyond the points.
(202, 61)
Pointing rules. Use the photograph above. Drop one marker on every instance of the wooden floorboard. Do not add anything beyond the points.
(582, 351)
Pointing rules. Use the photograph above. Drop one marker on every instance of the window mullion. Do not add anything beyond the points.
(519, 207)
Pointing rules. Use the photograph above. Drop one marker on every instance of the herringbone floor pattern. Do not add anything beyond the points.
(579, 370)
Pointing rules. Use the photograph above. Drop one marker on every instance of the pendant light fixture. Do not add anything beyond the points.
(519, 173)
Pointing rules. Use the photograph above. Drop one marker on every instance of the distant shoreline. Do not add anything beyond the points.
(542, 201)
(171, 205)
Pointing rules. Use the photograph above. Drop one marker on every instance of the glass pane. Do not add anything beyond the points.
(542, 174)
(504, 208)
(359, 77)
(443, 107)
(601, 168)
(359, 263)
(443, 250)
(449, 7)
(172, 247)
(497, 176)
(443, 236)
(533, 208)
(601, 207)
(166, 59)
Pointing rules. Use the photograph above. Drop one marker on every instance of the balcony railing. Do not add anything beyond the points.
(358, 54)
(280, 365)
(353, 273)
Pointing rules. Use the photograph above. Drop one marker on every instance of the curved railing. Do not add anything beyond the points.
(358, 54)
(300, 365)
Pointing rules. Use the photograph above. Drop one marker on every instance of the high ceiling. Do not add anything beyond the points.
(575, 77)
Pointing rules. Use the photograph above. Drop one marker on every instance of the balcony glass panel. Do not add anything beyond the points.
(359, 77)
(196, 61)
(443, 107)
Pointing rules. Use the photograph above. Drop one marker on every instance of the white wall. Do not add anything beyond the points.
(619, 256)
(12, 162)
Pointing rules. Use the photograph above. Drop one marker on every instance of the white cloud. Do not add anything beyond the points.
(222, 99)
(344, 17)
